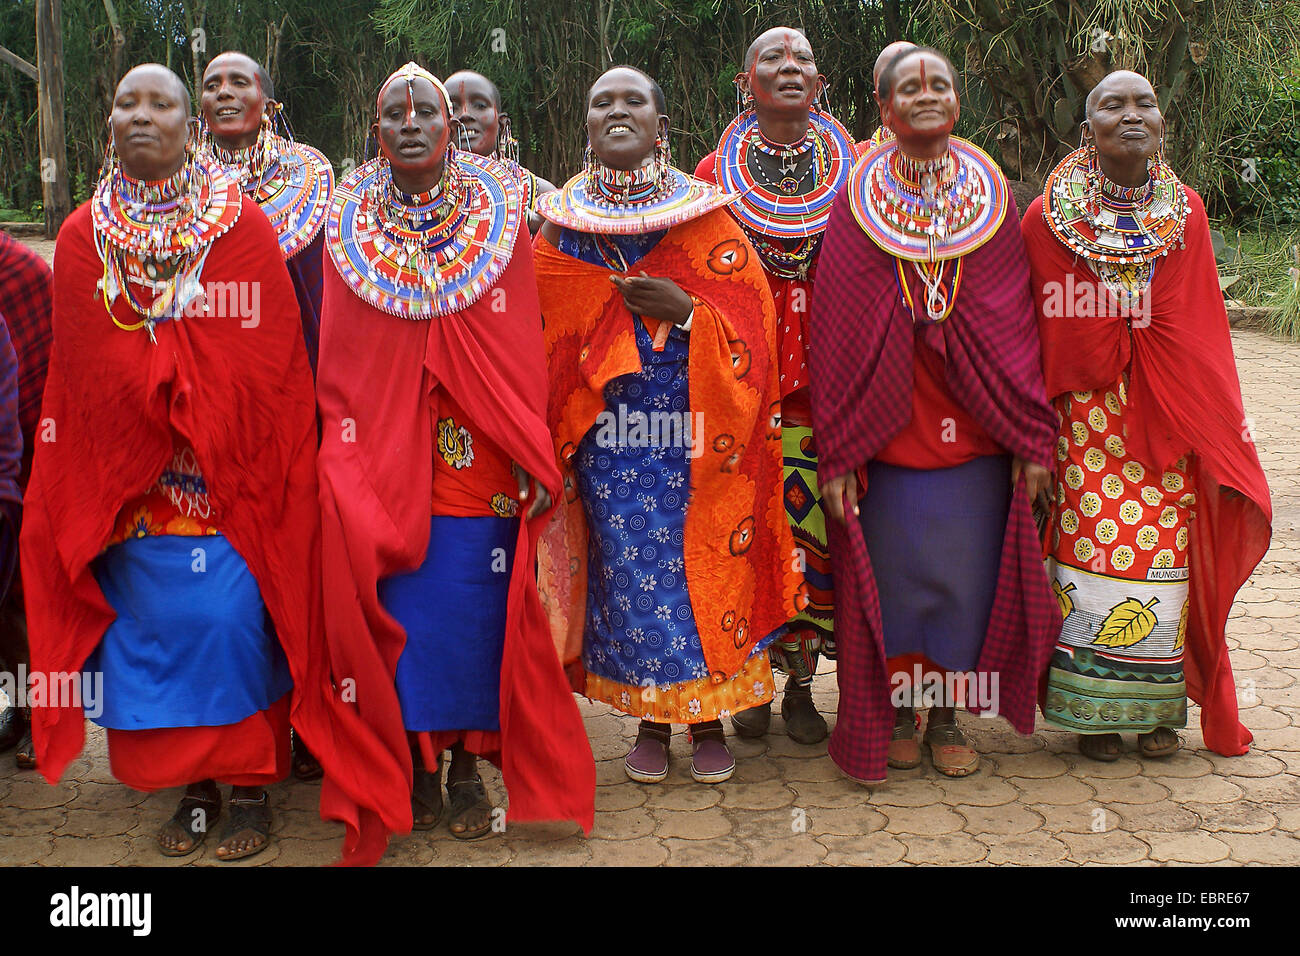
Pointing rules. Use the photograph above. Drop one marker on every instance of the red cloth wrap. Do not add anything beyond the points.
(376, 376)
(737, 544)
(1185, 396)
(862, 366)
(242, 397)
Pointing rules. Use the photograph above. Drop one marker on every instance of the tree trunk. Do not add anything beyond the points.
(53, 146)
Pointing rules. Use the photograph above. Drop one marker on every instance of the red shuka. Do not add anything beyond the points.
(239, 391)
(1183, 396)
(376, 374)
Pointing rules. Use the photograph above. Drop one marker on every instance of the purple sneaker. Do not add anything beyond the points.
(711, 761)
(647, 762)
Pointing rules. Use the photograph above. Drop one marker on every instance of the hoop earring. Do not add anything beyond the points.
(1092, 179)
(507, 145)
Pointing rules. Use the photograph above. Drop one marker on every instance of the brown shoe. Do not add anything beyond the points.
(951, 755)
(802, 722)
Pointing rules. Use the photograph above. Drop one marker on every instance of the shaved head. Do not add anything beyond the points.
(766, 37)
(178, 86)
(472, 75)
(263, 78)
(888, 53)
(1112, 81)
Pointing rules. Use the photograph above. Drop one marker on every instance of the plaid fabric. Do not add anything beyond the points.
(861, 360)
(26, 290)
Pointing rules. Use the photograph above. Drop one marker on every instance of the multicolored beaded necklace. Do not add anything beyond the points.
(1120, 230)
(929, 212)
(627, 202)
(784, 220)
(290, 181)
(427, 254)
(157, 233)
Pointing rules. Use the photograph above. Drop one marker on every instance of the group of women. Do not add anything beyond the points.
(814, 401)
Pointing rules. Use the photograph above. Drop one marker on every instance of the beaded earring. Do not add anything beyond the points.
(590, 165)
(744, 101)
(507, 145)
(1092, 178)
(110, 164)
(663, 154)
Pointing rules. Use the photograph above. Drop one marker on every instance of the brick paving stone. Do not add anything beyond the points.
(22, 850)
(1183, 764)
(1237, 817)
(18, 823)
(1129, 790)
(610, 773)
(758, 771)
(878, 850)
(924, 821)
(800, 850)
(1078, 818)
(572, 852)
(306, 825)
(767, 795)
(694, 796)
(998, 821)
(98, 823)
(1113, 846)
(623, 825)
(299, 852)
(898, 792)
(1274, 847)
(707, 824)
(844, 821)
(105, 796)
(33, 793)
(83, 851)
(832, 793)
(1085, 768)
(624, 796)
(1288, 818)
(811, 771)
(980, 790)
(1247, 765)
(1282, 788)
(1187, 847)
(646, 851)
(412, 850)
(951, 848)
(1026, 849)
(1286, 738)
(1035, 764)
(1164, 816)
(1061, 791)
(712, 853)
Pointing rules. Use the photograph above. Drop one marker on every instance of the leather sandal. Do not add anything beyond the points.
(25, 755)
(1101, 747)
(1161, 742)
(904, 749)
(246, 816)
(951, 755)
(193, 819)
(464, 796)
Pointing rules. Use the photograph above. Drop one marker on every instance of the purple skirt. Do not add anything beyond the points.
(935, 540)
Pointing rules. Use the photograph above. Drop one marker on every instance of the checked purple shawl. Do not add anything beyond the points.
(861, 361)
(26, 300)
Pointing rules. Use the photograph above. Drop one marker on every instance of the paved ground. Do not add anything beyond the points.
(1035, 799)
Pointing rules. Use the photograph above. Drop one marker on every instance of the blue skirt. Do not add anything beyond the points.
(453, 608)
(935, 540)
(192, 646)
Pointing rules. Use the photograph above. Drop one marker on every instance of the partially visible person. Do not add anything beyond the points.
(26, 298)
(171, 528)
(935, 436)
(435, 486)
(1161, 510)
(290, 181)
(666, 570)
(788, 159)
(485, 130)
(891, 51)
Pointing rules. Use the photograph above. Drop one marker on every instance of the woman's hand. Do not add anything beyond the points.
(541, 500)
(1038, 482)
(655, 297)
(833, 492)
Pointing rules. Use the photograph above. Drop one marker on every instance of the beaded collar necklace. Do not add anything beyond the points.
(156, 234)
(1110, 224)
(290, 181)
(928, 210)
(628, 202)
(778, 215)
(431, 253)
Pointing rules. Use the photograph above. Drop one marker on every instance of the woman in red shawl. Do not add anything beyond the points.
(667, 568)
(432, 386)
(1161, 508)
(788, 160)
(170, 534)
(927, 394)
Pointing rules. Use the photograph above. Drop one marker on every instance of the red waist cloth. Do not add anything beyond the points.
(1183, 396)
(471, 474)
(940, 433)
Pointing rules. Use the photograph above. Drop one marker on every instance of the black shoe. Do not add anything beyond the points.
(802, 722)
(753, 722)
(12, 727)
